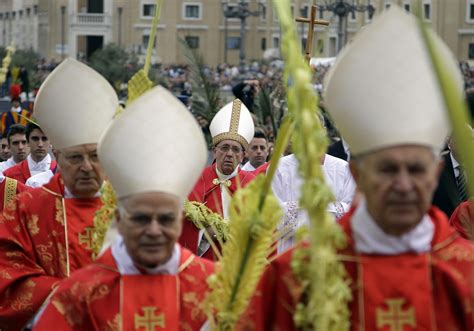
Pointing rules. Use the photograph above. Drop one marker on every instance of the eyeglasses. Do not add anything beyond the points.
(77, 159)
(37, 139)
(227, 148)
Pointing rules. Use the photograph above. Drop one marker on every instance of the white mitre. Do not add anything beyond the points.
(383, 91)
(75, 104)
(165, 148)
(233, 122)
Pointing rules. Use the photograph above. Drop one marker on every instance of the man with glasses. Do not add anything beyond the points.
(232, 129)
(38, 160)
(145, 272)
(47, 232)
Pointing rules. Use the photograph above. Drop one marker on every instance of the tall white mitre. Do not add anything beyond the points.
(166, 150)
(383, 91)
(75, 104)
(233, 122)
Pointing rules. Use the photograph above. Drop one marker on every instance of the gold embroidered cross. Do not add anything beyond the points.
(150, 320)
(312, 22)
(86, 237)
(395, 318)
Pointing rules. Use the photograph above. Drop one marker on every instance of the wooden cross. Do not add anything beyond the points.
(312, 21)
(149, 321)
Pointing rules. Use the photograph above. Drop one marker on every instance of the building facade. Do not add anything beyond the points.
(62, 28)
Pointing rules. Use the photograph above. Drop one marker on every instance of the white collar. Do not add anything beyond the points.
(10, 162)
(454, 161)
(248, 166)
(68, 194)
(17, 109)
(232, 175)
(126, 266)
(371, 239)
(40, 166)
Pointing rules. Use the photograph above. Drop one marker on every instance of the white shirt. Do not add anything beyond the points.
(38, 167)
(286, 186)
(126, 266)
(248, 167)
(369, 238)
(40, 179)
(7, 164)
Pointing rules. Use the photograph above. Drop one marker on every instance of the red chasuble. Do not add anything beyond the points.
(463, 220)
(43, 237)
(207, 192)
(98, 297)
(21, 171)
(9, 188)
(407, 292)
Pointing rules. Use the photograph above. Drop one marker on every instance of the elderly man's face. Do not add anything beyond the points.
(398, 184)
(81, 170)
(150, 224)
(228, 154)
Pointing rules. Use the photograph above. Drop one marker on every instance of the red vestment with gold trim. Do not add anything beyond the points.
(406, 292)
(205, 191)
(19, 188)
(43, 237)
(98, 297)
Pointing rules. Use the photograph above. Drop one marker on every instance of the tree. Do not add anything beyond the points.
(114, 63)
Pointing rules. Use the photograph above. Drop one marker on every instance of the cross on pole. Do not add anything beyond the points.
(312, 21)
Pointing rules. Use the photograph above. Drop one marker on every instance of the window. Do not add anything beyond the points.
(148, 10)
(263, 11)
(427, 10)
(145, 40)
(388, 3)
(352, 16)
(369, 13)
(470, 11)
(28, 11)
(192, 41)
(304, 11)
(276, 42)
(233, 42)
(192, 11)
(471, 51)
(407, 6)
(263, 44)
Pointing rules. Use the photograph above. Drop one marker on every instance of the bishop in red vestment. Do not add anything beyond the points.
(232, 129)
(409, 269)
(46, 233)
(145, 281)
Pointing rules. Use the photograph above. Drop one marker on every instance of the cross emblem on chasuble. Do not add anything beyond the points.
(85, 238)
(395, 318)
(149, 321)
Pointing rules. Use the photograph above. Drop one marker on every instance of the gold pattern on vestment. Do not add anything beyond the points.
(23, 301)
(10, 191)
(59, 211)
(395, 318)
(86, 237)
(225, 182)
(149, 321)
(32, 225)
(456, 252)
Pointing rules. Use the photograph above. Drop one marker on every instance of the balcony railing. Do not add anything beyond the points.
(87, 19)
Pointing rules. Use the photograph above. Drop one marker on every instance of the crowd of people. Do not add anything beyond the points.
(397, 178)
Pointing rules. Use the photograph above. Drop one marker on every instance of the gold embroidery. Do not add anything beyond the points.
(10, 191)
(457, 252)
(32, 225)
(149, 321)
(85, 238)
(5, 275)
(23, 301)
(59, 212)
(395, 318)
